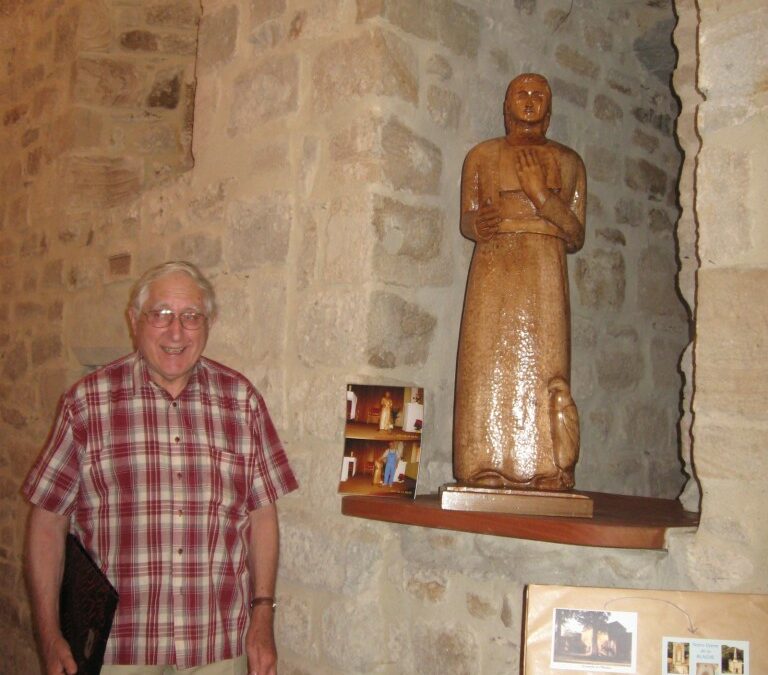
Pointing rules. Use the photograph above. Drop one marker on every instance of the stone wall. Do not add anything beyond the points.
(328, 141)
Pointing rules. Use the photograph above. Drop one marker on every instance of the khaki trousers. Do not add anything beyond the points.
(238, 666)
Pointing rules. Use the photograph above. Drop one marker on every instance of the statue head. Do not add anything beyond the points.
(528, 102)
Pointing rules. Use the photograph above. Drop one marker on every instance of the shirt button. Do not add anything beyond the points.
(179, 551)
(180, 512)
(178, 475)
(176, 439)
(174, 404)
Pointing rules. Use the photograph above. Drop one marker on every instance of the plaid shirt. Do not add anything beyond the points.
(159, 491)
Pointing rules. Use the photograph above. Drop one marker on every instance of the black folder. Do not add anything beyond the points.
(86, 607)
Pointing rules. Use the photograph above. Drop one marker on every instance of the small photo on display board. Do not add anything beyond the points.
(382, 440)
(697, 656)
(594, 640)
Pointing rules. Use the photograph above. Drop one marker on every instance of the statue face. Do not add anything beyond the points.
(528, 101)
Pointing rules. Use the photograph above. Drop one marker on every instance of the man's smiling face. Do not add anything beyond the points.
(171, 352)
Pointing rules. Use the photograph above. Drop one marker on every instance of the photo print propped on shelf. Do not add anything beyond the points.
(382, 440)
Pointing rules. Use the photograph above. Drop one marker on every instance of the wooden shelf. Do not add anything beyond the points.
(619, 521)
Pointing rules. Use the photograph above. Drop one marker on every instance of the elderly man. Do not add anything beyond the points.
(166, 465)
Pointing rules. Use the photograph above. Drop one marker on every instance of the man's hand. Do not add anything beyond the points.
(531, 175)
(487, 220)
(260, 642)
(58, 657)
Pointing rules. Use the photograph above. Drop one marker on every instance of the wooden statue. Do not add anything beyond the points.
(523, 201)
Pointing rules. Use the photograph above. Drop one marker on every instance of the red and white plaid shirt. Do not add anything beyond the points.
(159, 492)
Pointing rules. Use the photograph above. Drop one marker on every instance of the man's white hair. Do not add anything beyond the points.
(140, 289)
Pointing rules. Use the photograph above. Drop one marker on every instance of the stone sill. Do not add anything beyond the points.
(619, 521)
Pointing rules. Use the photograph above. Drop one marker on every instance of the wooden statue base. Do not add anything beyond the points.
(455, 497)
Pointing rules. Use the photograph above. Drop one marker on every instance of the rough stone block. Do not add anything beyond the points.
(377, 63)
(441, 648)
(645, 141)
(731, 370)
(453, 24)
(139, 40)
(660, 121)
(218, 36)
(526, 6)
(346, 236)
(444, 107)
(480, 607)
(264, 10)
(576, 62)
(103, 181)
(409, 244)
(619, 363)
(352, 624)
(53, 273)
(312, 557)
(263, 93)
(426, 585)
(173, 14)
(606, 109)
(331, 328)
(440, 67)
(94, 30)
(738, 38)
(666, 352)
(151, 138)
(293, 623)
(66, 32)
(355, 151)
(13, 417)
(45, 348)
(166, 90)
(598, 37)
(409, 161)
(725, 224)
(601, 279)
(399, 332)
(15, 360)
(611, 235)
(259, 231)
(569, 91)
(629, 212)
(660, 221)
(642, 176)
(602, 164)
(655, 51)
(15, 114)
(107, 82)
(87, 125)
(657, 282)
(202, 249)
(268, 35)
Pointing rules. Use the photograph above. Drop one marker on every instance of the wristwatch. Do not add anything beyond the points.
(262, 600)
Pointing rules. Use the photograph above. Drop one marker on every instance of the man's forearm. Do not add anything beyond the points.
(46, 536)
(263, 553)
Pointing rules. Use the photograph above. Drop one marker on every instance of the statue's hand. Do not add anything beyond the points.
(531, 175)
(487, 221)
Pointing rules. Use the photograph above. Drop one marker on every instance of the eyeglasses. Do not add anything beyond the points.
(162, 318)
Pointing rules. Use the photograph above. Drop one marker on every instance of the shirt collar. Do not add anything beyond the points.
(142, 383)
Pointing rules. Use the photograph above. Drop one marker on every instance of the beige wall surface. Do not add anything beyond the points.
(307, 154)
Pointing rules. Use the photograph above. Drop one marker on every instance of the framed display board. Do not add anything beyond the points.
(649, 632)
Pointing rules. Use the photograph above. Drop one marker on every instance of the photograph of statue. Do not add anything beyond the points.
(382, 440)
(523, 203)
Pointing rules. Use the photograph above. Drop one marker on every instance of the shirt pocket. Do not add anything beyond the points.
(227, 480)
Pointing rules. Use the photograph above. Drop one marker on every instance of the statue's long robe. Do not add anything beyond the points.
(514, 349)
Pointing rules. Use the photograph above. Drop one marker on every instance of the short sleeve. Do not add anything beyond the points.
(53, 482)
(272, 476)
